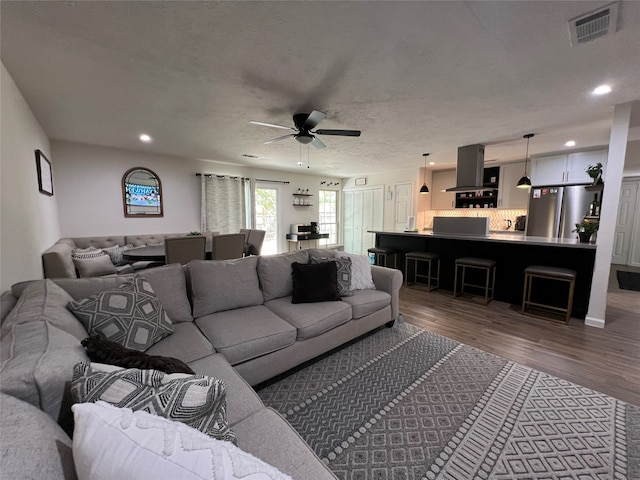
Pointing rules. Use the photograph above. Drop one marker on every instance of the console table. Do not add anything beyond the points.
(296, 240)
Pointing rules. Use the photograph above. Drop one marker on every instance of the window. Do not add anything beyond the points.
(328, 215)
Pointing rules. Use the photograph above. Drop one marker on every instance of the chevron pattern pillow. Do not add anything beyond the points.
(195, 400)
(130, 315)
(343, 265)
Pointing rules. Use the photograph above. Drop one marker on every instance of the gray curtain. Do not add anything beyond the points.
(224, 204)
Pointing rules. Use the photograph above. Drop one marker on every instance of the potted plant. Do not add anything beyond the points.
(585, 229)
(595, 172)
(194, 234)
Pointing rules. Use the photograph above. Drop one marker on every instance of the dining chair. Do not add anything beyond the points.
(254, 242)
(226, 247)
(246, 232)
(184, 249)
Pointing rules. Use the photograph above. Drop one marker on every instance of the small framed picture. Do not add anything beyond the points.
(45, 176)
(361, 181)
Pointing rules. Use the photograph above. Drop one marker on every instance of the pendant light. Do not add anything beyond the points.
(525, 182)
(424, 188)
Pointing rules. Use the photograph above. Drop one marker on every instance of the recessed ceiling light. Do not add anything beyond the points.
(602, 90)
(299, 164)
(570, 143)
(432, 163)
(145, 138)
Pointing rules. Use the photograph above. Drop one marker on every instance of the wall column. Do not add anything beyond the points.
(608, 214)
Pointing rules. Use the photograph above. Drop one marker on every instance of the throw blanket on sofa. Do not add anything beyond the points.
(406, 403)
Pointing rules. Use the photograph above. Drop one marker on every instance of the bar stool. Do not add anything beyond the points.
(548, 273)
(381, 254)
(476, 263)
(428, 258)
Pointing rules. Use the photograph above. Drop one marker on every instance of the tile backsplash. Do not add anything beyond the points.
(497, 217)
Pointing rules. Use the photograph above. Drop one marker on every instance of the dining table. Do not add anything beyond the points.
(149, 253)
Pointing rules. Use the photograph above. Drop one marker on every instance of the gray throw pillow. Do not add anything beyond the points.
(96, 266)
(130, 315)
(195, 400)
(343, 265)
(115, 254)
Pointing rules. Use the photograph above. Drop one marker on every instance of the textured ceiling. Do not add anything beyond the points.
(415, 77)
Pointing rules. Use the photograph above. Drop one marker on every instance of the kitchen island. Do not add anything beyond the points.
(513, 253)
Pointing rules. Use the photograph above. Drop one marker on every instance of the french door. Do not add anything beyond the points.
(363, 210)
(268, 216)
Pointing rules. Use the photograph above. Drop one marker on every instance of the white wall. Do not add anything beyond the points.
(632, 160)
(89, 177)
(29, 218)
(388, 180)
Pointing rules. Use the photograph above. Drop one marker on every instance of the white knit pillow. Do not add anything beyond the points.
(111, 442)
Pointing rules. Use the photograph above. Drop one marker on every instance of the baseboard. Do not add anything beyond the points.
(594, 322)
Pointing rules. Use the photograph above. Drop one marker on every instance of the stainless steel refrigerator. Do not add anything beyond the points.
(554, 210)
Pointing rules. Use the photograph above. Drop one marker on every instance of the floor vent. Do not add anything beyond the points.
(600, 22)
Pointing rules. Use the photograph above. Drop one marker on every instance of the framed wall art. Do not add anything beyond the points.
(45, 175)
(361, 181)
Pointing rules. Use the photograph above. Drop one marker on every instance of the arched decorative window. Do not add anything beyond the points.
(141, 193)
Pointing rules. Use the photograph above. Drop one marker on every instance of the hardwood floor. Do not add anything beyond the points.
(606, 360)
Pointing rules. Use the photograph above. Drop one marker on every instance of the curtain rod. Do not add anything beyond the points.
(221, 176)
(286, 182)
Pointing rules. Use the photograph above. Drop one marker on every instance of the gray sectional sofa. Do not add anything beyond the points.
(57, 261)
(233, 320)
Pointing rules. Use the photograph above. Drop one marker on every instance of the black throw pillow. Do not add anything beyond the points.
(314, 283)
(104, 351)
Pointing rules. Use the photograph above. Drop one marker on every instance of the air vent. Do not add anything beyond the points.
(248, 155)
(592, 25)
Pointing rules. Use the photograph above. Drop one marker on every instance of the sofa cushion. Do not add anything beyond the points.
(275, 273)
(242, 400)
(103, 351)
(195, 400)
(364, 302)
(80, 288)
(97, 242)
(343, 266)
(170, 286)
(311, 319)
(111, 443)
(130, 315)
(361, 278)
(95, 266)
(186, 343)
(39, 346)
(224, 285)
(293, 456)
(33, 445)
(7, 301)
(314, 282)
(246, 333)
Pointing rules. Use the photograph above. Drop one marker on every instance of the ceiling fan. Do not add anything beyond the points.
(304, 123)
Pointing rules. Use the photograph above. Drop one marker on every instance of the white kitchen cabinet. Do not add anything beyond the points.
(441, 180)
(566, 168)
(578, 162)
(509, 196)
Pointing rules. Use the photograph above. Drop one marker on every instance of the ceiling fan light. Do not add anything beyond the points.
(304, 138)
(524, 182)
(424, 189)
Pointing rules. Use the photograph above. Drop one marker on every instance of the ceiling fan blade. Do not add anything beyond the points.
(313, 119)
(344, 133)
(273, 140)
(317, 143)
(271, 125)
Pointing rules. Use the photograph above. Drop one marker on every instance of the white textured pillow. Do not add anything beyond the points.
(361, 278)
(110, 442)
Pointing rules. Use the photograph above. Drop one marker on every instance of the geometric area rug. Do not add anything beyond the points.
(404, 403)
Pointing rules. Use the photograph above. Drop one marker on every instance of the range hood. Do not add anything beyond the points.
(470, 169)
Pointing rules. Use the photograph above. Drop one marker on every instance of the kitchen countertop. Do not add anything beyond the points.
(507, 237)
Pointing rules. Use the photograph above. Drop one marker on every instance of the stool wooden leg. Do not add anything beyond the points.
(438, 274)
(493, 283)
(572, 285)
(455, 282)
(524, 293)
